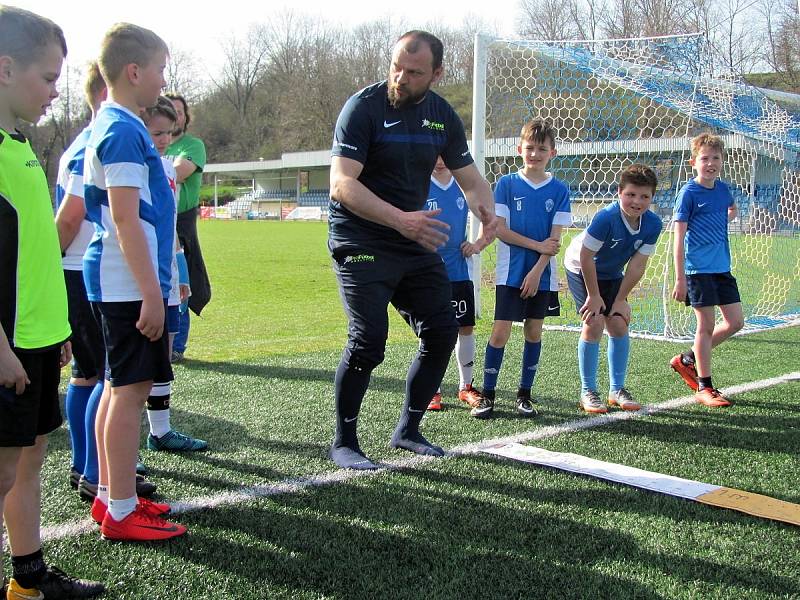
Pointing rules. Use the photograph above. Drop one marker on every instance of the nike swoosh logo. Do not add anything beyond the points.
(346, 420)
(387, 125)
(518, 198)
(415, 410)
(615, 240)
(168, 529)
(702, 205)
(552, 307)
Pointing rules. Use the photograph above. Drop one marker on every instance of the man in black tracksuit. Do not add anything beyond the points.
(387, 139)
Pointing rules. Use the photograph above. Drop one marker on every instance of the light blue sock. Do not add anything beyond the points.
(91, 471)
(75, 407)
(618, 351)
(588, 359)
(530, 363)
(491, 366)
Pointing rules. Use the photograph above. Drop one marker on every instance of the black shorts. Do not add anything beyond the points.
(711, 289)
(608, 290)
(37, 410)
(88, 351)
(131, 357)
(509, 306)
(369, 280)
(463, 301)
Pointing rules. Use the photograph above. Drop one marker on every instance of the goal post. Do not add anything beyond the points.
(618, 102)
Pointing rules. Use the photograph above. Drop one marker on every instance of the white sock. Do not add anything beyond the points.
(119, 509)
(465, 356)
(102, 494)
(159, 422)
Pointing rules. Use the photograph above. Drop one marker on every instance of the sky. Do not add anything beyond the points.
(199, 27)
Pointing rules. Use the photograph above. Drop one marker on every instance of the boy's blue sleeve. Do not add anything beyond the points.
(183, 268)
(122, 156)
(598, 229)
(683, 205)
(501, 198)
(563, 210)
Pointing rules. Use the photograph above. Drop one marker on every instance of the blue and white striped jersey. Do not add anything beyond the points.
(70, 181)
(614, 241)
(120, 153)
(705, 212)
(454, 207)
(531, 210)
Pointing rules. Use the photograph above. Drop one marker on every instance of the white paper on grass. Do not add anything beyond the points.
(575, 463)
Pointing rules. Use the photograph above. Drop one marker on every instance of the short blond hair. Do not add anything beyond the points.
(94, 84)
(126, 44)
(24, 35)
(707, 139)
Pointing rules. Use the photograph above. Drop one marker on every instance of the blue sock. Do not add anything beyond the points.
(530, 362)
(588, 359)
(491, 366)
(91, 471)
(75, 407)
(618, 350)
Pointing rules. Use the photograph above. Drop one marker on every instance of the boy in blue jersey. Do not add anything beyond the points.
(127, 272)
(532, 207)
(456, 253)
(34, 327)
(88, 364)
(623, 233)
(160, 120)
(702, 257)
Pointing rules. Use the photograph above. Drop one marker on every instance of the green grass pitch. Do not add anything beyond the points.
(258, 385)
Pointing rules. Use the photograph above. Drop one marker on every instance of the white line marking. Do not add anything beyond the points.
(293, 486)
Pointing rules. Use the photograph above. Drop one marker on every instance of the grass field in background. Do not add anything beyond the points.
(258, 385)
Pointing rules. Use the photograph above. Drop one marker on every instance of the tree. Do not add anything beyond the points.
(183, 75)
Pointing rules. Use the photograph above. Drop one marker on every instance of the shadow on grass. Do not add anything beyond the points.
(444, 535)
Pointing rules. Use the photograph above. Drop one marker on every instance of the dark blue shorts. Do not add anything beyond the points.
(608, 290)
(173, 319)
(131, 357)
(711, 289)
(463, 302)
(509, 306)
(37, 410)
(88, 351)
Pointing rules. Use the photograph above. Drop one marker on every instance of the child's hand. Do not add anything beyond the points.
(185, 292)
(591, 308)
(12, 373)
(550, 246)
(621, 308)
(66, 355)
(151, 319)
(530, 285)
(679, 291)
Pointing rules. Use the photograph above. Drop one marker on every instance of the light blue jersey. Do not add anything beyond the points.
(614, 241)
(531, 210)
(705, 212)
(120, 153)
(70, 182)
(454, 207)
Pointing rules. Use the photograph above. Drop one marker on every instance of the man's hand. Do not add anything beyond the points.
(622, 309)
(530, 285)
(66, 355)
(550, 246)
(591, 308)
(679, 291)
(422, 227)
(489, 227)
(151, 319)
(12, 373)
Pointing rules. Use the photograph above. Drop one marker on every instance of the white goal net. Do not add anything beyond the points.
(616, 102)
